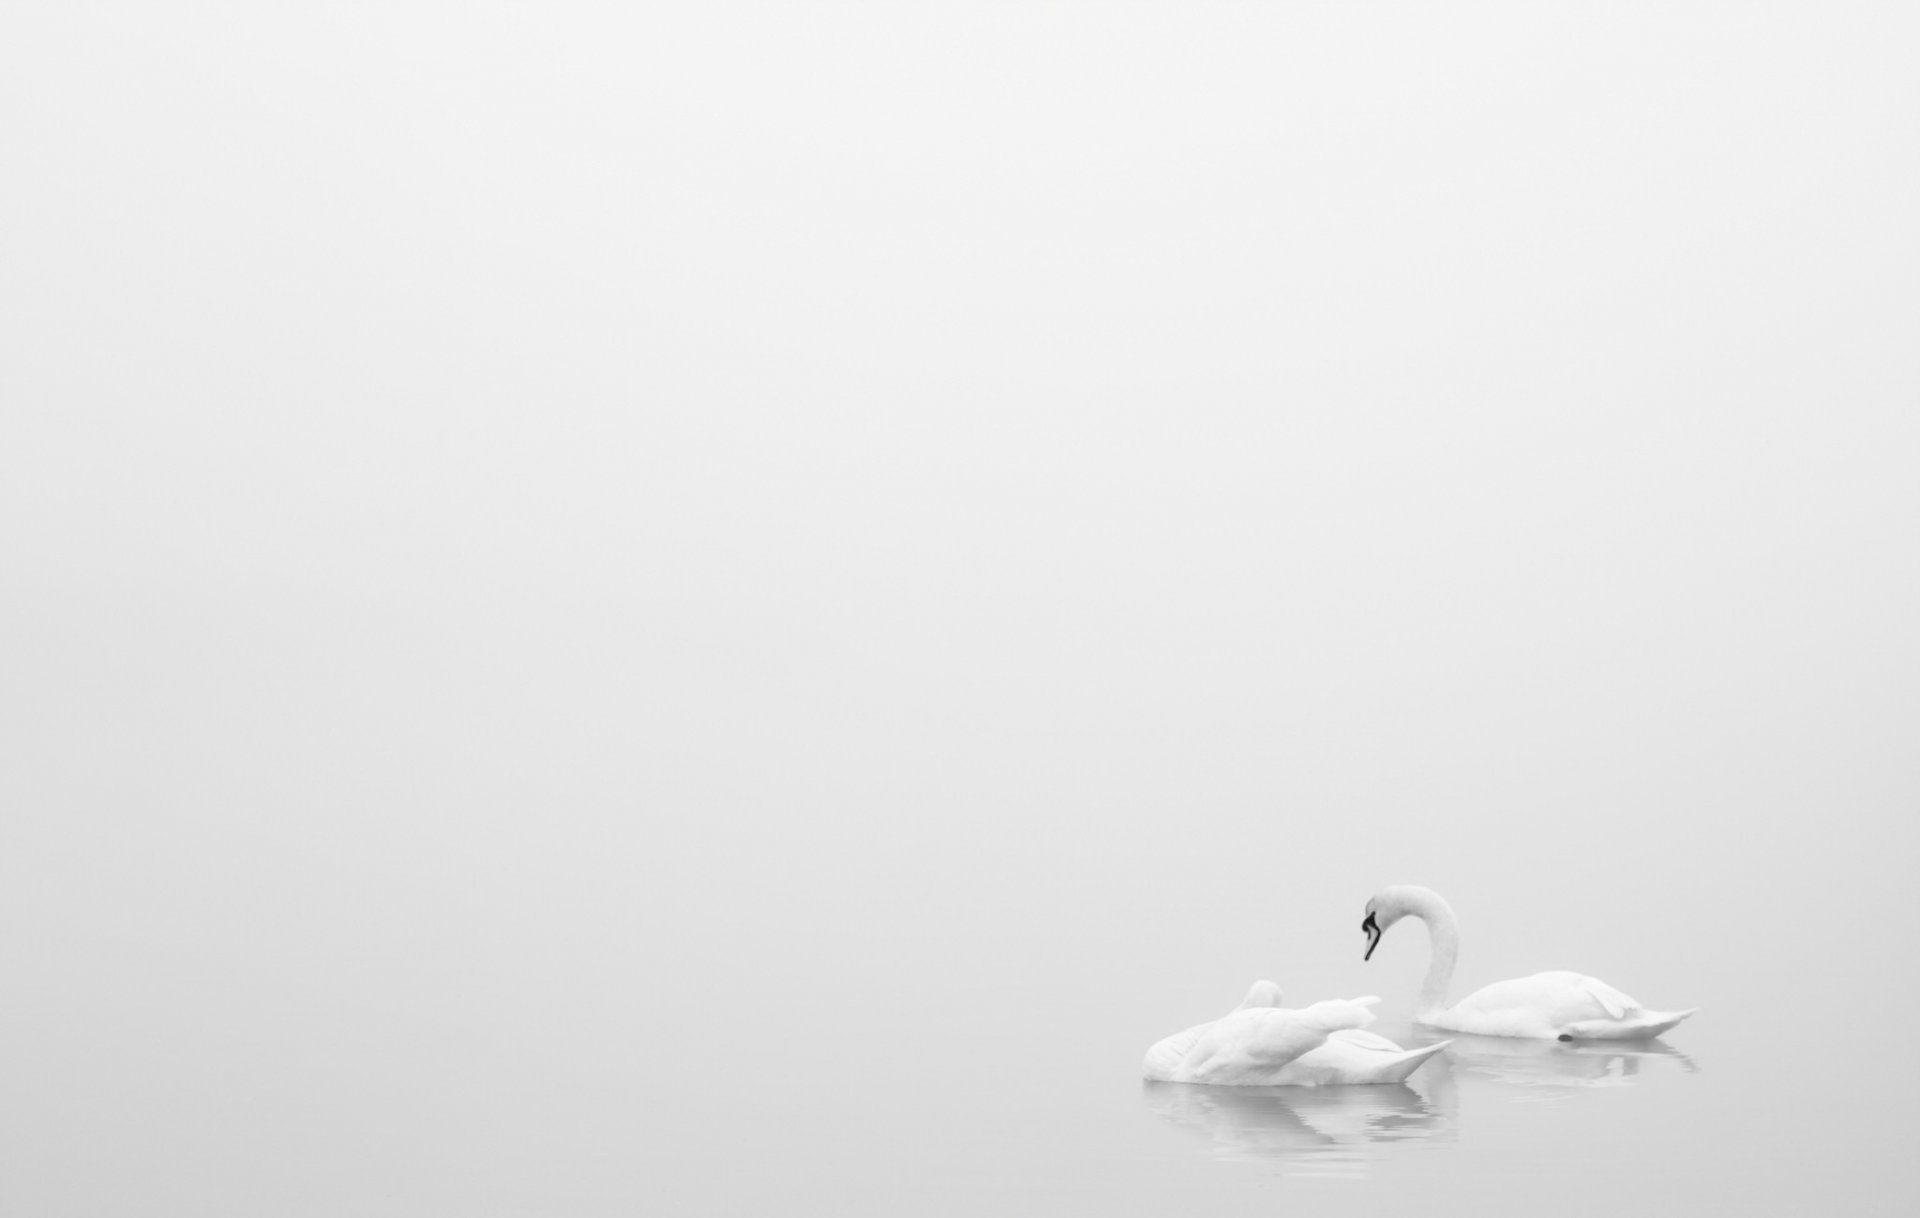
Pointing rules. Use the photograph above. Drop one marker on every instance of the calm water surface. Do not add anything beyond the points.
(1005, 1100)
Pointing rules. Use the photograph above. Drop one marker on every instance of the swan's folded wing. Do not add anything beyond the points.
(1282, 1034)
(1363, 1039)
(1612, 1001)
(1337, 1013)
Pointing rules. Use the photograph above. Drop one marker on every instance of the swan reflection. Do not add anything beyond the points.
(1550, 1066)
(1334, 1131)
(1315, 1131)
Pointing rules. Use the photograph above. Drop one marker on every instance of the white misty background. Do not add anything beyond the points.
(528, 529)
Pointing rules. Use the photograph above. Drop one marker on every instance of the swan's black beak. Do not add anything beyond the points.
(1373, 933)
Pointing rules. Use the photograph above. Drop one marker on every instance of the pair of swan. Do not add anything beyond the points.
(1261, 1042)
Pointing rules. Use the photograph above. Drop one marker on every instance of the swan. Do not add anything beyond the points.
(1261, 1043)
(1545, 1006)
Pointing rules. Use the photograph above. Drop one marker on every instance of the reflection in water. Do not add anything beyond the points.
(1316, 1131)
(1333, 1131)
(1547, 1067)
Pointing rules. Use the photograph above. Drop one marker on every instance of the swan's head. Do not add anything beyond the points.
(1386, 907)
(1371, 927)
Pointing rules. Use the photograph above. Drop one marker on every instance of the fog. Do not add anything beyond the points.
(598, 602)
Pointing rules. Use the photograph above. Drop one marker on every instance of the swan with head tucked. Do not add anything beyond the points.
(1261, 1043)
(1547, 1006)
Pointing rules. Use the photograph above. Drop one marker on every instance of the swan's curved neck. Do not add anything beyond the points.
(1443, 933)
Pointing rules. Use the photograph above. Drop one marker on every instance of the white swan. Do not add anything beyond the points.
(1261, 1043)
(1547, 1006)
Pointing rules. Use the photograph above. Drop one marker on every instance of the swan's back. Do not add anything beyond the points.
(1554, 1004)
(1251, 1045)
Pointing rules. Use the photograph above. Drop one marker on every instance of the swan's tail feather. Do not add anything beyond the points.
(1164, 1058)
(1668, 1019)
(1412, 1061)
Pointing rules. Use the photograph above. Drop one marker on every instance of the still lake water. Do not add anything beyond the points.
(443, 1093)
(388, 922)
(337, 957)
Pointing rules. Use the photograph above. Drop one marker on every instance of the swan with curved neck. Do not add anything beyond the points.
(1547, 1006)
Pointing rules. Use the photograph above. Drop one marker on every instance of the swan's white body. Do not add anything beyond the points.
(1261, 1043)
(1545, 1006)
